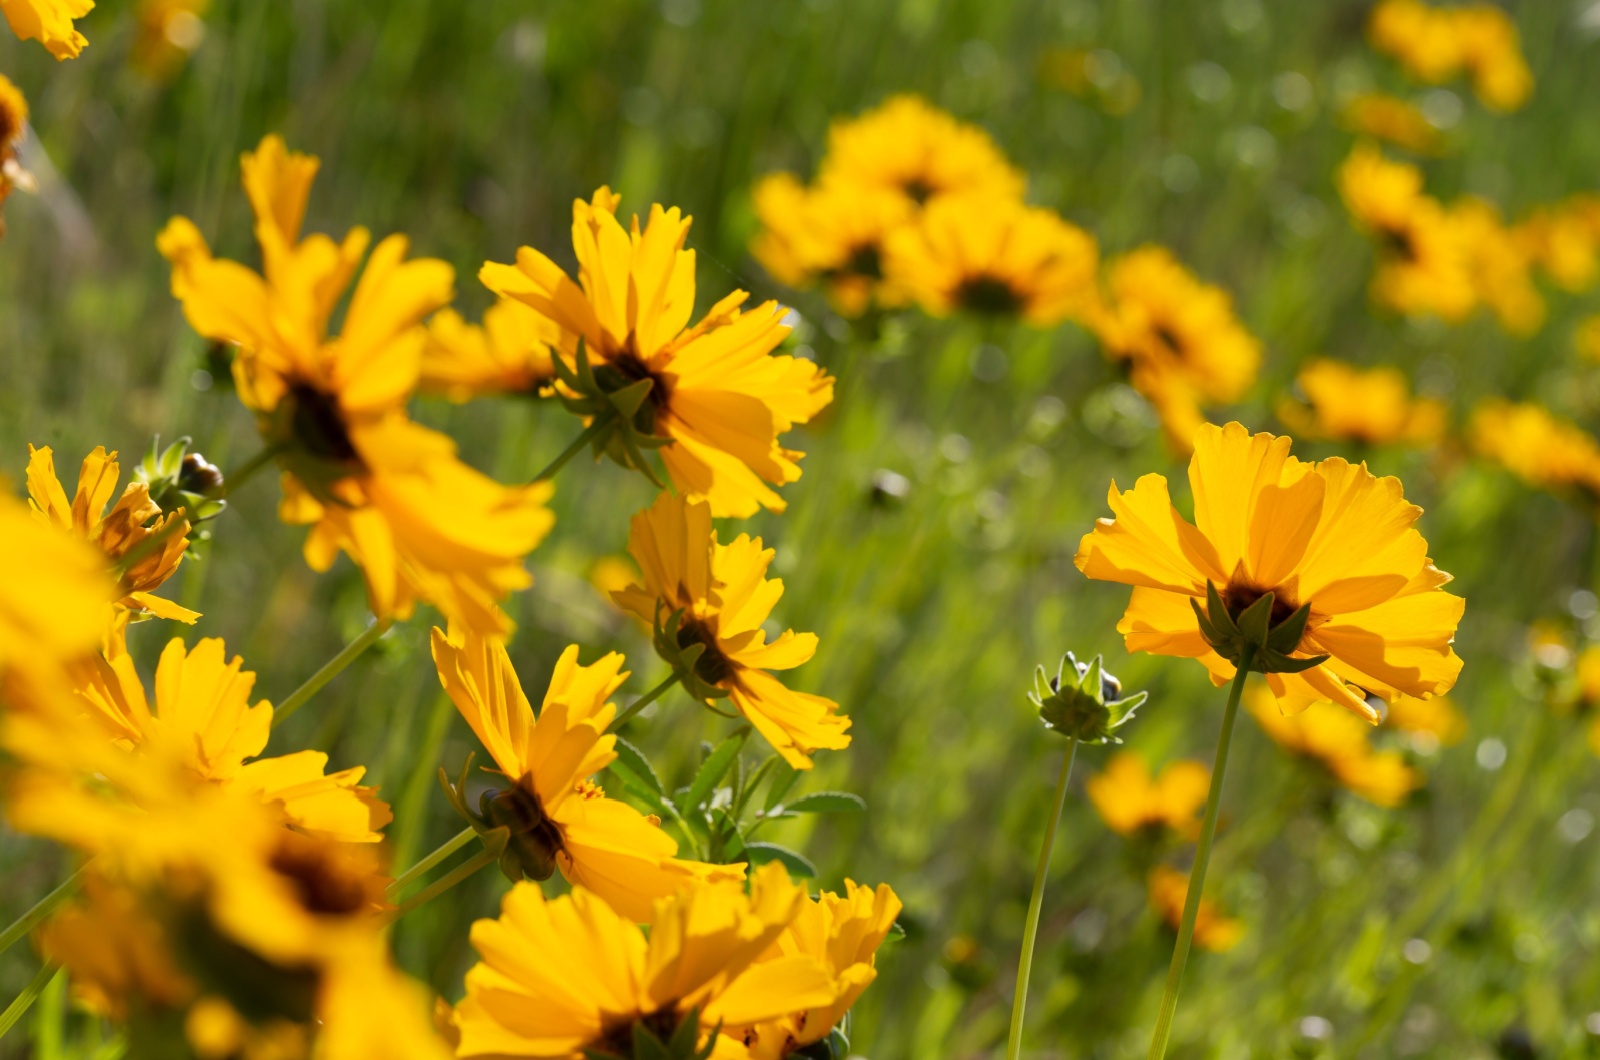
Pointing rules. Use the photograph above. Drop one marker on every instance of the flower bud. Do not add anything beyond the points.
(1084, 702)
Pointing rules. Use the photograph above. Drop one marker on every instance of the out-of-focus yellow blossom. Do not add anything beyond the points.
(386, 491)
(1398, 121)
(169, 32)
(1434, 44)
(1370, 405)
(1491, 50)
(1179, 337)
(49, 22)
(612, 574)
(1093, 74)
(1436, 719)
(914, 149)
(134, 527)
(13, 123)
(1500, 264)
(724, 597)
(718, 393)
(1129, 800)
(833, 234)
(994, 256)
(1564, 241)
(53, 600)
(1422, 264)
(509, 353)
(1537, 447)
(843, 935)
(1169, 889)
(1586, 338)
(1587, 670)
(598, 975)
(558, 816)
(1340, 743)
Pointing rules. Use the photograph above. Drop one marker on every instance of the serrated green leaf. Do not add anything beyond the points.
(713, 769)
(761, 853)
(634, 760)
(828, 802)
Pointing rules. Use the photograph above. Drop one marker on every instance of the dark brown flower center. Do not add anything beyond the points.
(713, 667)
(318, 426)
(1399, 243)
(988, 295)
(918, 189)
(625, 368)
(1239, 595)
(616, 1037)
(865, 261)
(535, 838)
(321, 883)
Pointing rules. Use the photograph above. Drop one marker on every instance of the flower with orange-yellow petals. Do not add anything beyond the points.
(1368, 405)
(1213, 930)
(1131, 801)
(1339, 743)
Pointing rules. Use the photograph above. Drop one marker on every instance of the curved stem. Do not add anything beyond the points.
(421, 868)
(443, 884)
(601, 421)
(232, 480)
(331, 669)
(1030, 930)
(644, 701)
(1202, 857)
(30, 993)
(35, 916)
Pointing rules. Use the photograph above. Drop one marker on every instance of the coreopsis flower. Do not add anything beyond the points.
(571, 978)
(1431, 723)
(717, 398)
(1368, 405)
(1564, 241)
(53, 601)
(1132, 802)
(1357, 607)
(1435, 44)
(1492, 52)
(509, 353)
(1422, 38)
(1390, 118)
(13, 123)
(1213, 930)
(1179, 337)
(1586, 338)
(168, 33)
(1422, 264)
(991, 255)
(1339, 743)
(371, 483)
(554, 815)
(1537, 447)
(843, 935)
(707, 602)
(834, 235)
(49, 22)
(916, 150)
(1500, 264)
(134, 529)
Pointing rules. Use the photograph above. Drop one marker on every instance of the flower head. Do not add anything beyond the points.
(1178, 336)
(1537, 447)
(1564, 241)
(912, 148)
(1214, 931)
(1370, 405)
(1356, 606)
(989, 254)
(708, 602)
(1434, 44)
(1431, 723)
(169, 32)
(1340, 744)
(13, 123)
(509, 353)
(553, 815)
(1395, 120)
(53, 605)
(1083, 701)
(388, 492)
(1500, 263)
(49, 22)
(717, 399)
(1131, 801)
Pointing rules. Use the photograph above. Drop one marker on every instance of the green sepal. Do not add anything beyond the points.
(684, 659)
(1087, 706)
(1271, 647)
(1285, 638)
(1255, 622)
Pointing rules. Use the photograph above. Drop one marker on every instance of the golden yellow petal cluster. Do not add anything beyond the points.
(509, 353)
(168, 33)
(1131, 801)
(1564, 241)
(1213, 930)
(13, 123)
(386, 491)
(908, 146)
(1537, 447)
(1395, 120)
(1436, 720)
(1338, 742)
(53, 602)
(1435, 44)
(49, 22)
(1343, 402)
(1328, 535)
(725, 597)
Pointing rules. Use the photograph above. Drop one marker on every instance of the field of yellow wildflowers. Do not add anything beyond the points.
(687, 529)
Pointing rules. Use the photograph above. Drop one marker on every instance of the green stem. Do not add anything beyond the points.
(455, 843)
(1030, 930)
(443, 884)
(246, 471)
(602, 420)
(35, 916)
(29, 995)
(331, 669)
(1202, 858)
(644, 701)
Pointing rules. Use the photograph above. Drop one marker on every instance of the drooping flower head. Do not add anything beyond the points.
(556, 816)
(509, 353)
(1370, 405)
(1339, 743)
(133, 530)
(571, 978)
(1335, 546)
(388, 492)
(718, 398)
(1132, 802)
(1213, 930)
(1542, 450)
(706, 597)
(49, 22)
(991, 255)
(1178, 336)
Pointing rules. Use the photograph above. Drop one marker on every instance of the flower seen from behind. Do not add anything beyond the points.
(1373, 406)
(1131, 801)
(49, 22)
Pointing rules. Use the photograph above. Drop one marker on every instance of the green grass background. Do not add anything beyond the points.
(472, 126)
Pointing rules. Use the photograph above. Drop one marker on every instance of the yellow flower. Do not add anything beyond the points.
(1129, 800)
(1435, 44)
(1537, 447)
(508, 354)
(1370, 405)
(1586, 337)
(1500, 264)
(558, 816)
(990, 254)
(169, 30)
(1435, 720)
(133, 526)
(564, 977)
(1423, 39)
(834, 234)
(1329, 536)
(717, 394)
(912, 148)
(13, 123)
(1179, 337)
(386, 491)
(1339, 743)
(1395, 120)
(49, 22)
(725, 597)
(1213, 931)
(1564, 241)
(53, 599)
(841, 934)
(1491, 50)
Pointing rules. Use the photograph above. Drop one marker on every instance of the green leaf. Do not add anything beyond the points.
(783, 779)
(828, 802)
(761, 853)
(713, 769)
(636, 763)
(640, 788)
